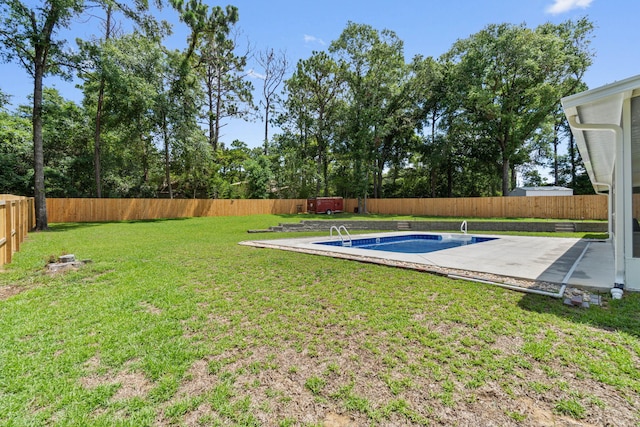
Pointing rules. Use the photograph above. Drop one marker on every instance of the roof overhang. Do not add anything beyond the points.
(601, 106)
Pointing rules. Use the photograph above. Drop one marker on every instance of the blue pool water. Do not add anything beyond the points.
(412, 243)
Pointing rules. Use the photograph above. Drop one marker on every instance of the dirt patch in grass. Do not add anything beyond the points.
(336, 420)
(8, 291)
(132, 384)
(150, 308)
(195, 418)
(359, 383)
(197, 380)
(345, 376)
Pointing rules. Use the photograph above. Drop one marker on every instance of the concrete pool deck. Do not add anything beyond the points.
(574, 262)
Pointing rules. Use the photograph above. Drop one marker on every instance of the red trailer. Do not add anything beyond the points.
(328, 205)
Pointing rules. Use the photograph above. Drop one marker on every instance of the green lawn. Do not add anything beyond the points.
(174, 323)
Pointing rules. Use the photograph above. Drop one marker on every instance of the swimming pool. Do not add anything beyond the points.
(411, 243)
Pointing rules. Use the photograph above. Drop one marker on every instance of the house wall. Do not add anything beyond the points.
(632, 256)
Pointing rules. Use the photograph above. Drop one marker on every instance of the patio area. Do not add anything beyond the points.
(580, 263)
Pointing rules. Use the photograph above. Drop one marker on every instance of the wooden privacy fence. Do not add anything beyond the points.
(553, 207)
(17, 218)
(556, 207)
(96, 210)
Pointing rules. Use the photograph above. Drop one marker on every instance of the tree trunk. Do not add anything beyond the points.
(218, 109)
(432, 174)
(325, 175)
(266, 126)
(505, 176)
(449, 179)
(98, 130)
(213, 141)
(555, 153)
(572, 159)
(433, 169)
(167, 171)
(318, 172)
(38, 150)
(96, 141)
(379, 177)
(374, 167)
(145, 160)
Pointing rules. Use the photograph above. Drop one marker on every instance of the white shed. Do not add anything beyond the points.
(606, 124)
(541, 191)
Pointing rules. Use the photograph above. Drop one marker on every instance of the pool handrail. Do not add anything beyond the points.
(342, 227)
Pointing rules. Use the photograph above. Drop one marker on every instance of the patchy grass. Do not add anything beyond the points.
(173, 323)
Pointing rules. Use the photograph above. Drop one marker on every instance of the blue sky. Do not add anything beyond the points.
(427, 27)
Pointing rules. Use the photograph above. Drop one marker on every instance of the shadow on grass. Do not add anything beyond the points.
(67, 226)
(615, 315)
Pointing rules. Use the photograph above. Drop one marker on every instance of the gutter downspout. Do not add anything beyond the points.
(618, 244)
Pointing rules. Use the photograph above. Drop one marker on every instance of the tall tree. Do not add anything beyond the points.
(430, 77)
(274, 66)
(176, 106)
(317, 85)
(561, 132)
(227, 90)
(30, 35)
(373, 67)
(108, 29)
(216, 24)
(510, 78)
(27, 35)
(133, 67)
(136, 12)
(212, 44)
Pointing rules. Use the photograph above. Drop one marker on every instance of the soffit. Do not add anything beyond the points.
(600, 106)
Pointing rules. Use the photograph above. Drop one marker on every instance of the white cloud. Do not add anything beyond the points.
(313, 39)
(562, 6)
(253, 73)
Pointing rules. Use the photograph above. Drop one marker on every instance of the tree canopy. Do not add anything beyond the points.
(355, 120)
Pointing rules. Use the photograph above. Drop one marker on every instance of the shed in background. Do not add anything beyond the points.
(541, 191)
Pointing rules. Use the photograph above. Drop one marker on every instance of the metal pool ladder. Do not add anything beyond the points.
(463, 227)
(342, 237)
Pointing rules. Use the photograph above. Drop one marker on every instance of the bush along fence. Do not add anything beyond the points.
(549, 207)
(17, 218)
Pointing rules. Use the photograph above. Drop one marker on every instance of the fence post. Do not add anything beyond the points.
(15, 225)
(3, 232)
(8, 232)
(17, 229)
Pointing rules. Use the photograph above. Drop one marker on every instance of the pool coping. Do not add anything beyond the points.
(545, 263)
